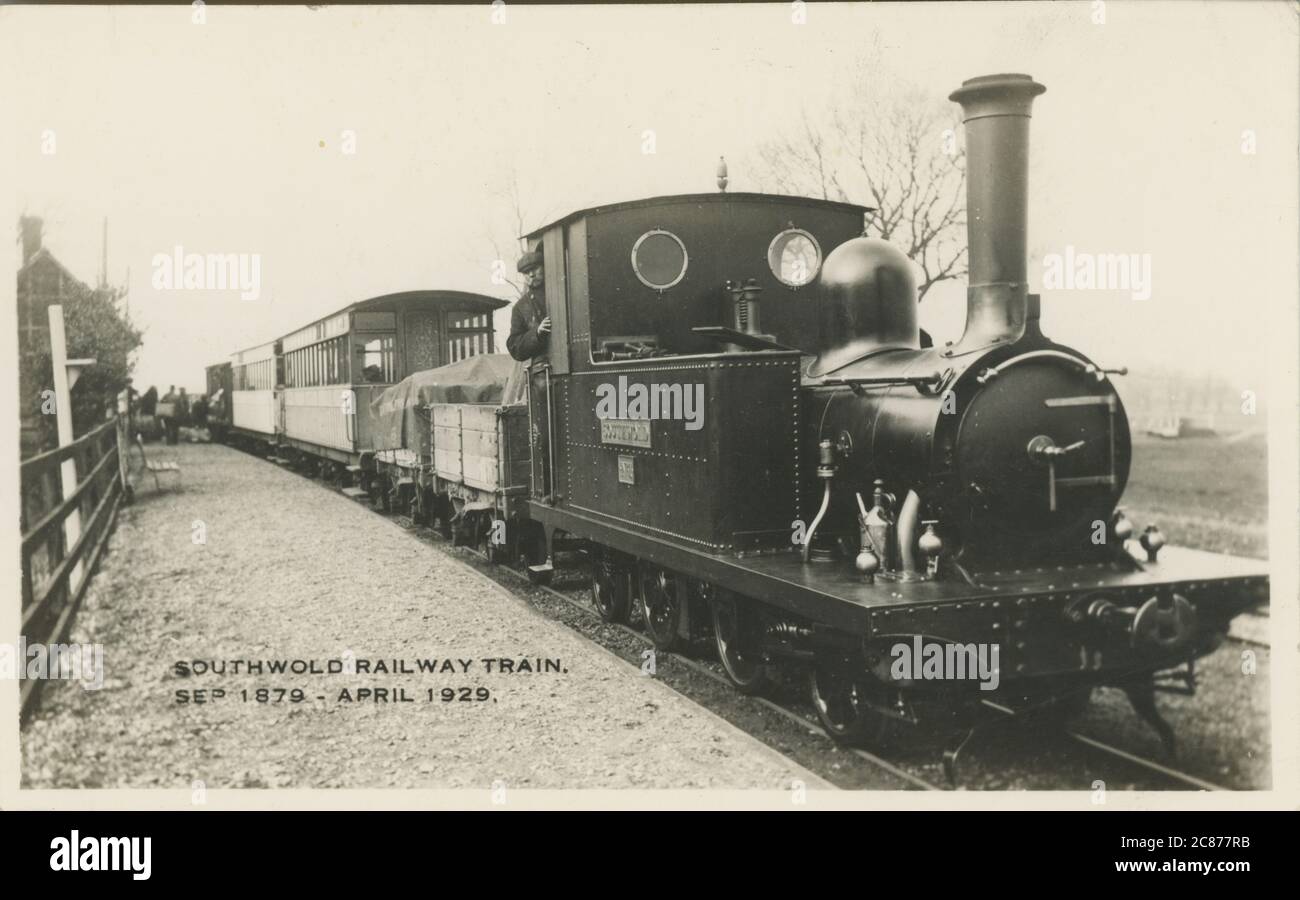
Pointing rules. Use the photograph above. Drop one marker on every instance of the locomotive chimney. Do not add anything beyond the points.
(995, 110)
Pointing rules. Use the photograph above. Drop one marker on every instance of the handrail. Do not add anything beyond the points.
(1094, 370)
(60, 512)
(70, 559)
(59, 454)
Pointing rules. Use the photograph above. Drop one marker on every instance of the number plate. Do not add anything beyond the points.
(626, 469)
(628, 432)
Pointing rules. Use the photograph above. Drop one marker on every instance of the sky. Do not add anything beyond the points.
(229, 137)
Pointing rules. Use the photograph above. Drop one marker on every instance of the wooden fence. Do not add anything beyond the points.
(55, 575)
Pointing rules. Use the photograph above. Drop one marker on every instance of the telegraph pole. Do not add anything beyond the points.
(103, 260)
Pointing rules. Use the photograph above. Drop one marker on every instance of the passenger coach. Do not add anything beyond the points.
(254, 403)
(309, 393)
(336, 365)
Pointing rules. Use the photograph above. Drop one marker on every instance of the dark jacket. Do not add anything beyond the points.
(524, 342)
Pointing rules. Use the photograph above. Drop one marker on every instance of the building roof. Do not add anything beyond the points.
(44, 254)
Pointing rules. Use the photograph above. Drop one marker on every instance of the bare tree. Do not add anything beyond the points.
(895, 151)
(510, 215)
(512, 219)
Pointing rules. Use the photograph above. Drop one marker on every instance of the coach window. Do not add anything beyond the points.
(794, 257)
(378, 361)
(659, 259)
(468, 334)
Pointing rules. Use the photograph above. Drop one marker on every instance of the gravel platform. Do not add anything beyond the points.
(289, 570)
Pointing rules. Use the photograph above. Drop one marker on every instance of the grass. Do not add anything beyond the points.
(1210, 493)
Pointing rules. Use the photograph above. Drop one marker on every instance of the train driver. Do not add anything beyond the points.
(530, 326)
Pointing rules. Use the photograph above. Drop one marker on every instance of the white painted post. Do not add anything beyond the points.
(124, 437)
(63, 415)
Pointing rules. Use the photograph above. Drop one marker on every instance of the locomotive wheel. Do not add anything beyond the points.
(611, 589)
(662, 595)
(842, 694)
(734, 629)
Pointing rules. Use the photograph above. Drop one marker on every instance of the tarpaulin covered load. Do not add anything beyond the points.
(399, 417)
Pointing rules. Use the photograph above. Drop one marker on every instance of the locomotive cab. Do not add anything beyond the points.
(673, 368)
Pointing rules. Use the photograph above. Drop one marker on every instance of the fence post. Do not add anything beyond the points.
(66, 372)
(124, 442)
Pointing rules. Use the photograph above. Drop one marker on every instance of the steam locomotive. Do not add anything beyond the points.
(848, 492)
(738, 423)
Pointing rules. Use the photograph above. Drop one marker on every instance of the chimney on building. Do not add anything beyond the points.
(30, 227)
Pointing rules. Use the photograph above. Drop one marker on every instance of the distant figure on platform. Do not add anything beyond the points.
(530, 326)
(149, 402)
(168, 410)
(199, 412)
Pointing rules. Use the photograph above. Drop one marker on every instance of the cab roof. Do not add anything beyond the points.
(711, 197)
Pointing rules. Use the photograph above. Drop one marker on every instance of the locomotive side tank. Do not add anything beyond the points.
(850, 491)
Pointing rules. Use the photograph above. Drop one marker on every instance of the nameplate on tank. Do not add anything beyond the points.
(627, 432)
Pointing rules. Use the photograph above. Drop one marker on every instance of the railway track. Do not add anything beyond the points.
(893, 770)
(1151, 766)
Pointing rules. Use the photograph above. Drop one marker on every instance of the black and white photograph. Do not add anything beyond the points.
(785, 405)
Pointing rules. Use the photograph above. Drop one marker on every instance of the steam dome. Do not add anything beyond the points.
(867, 304)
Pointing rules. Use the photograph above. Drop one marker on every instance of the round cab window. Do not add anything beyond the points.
(659, 259)
(794, 257)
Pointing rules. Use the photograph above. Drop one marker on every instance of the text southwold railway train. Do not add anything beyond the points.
(738, 420)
